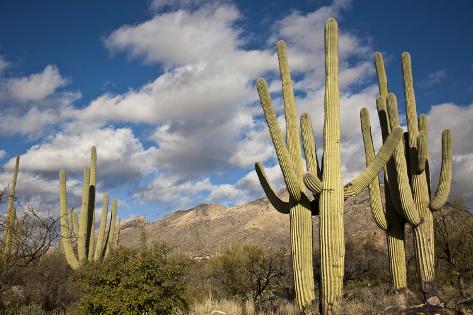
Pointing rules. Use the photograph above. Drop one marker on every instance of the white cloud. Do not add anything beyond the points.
(34, 87)
(120, 155)
(180, 37)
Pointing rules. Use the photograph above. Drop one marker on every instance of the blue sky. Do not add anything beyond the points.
(165, 90)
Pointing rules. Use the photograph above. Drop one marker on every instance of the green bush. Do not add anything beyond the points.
(134, 281)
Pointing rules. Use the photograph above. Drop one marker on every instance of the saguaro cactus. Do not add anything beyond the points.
(86, 224)
(11, 214)
(407, 178)
(419, 174)
(326, 183)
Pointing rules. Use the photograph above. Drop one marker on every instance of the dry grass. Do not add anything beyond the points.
(232, 307)
(361, 300)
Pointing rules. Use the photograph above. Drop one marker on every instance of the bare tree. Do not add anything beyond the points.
(32, 236)
(454, 241)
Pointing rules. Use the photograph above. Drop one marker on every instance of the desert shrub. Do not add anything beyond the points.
(248, 272)
(365, 264)
(45, 285)
(134, 281)
(453, 227)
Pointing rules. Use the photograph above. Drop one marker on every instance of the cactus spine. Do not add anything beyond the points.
(85, 228)
(325, 184)
(11, 213)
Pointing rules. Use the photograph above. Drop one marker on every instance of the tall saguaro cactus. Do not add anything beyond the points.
(419, 174)
(85, 228)
(11, 214)
(325, 183)
(290, 159)
(407, 179)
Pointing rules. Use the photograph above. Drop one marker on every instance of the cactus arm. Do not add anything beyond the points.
(66, 235)
(7, 235)
(82, 244)
(292, 128)
(411, 111)
(381, 74)
(421, 152)
(278, 204)
(402, 186)
(445, 179)
(376, 203)
(372, 171)
(75, 223)
(103, 224)
(292, 184)
(117, 243)
(310, 149)
(111, 228)
(313, 183)
(91, 205)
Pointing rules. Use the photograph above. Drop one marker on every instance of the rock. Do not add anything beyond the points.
(434, 300)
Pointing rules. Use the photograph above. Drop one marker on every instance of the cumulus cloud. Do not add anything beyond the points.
(180, 37)
(34, 87)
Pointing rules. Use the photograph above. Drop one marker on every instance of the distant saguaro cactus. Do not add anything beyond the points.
(85, 228)
(325, 183)
(407, 181)
(11, 213)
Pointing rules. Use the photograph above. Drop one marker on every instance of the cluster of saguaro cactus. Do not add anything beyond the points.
(9, 224)
(84, 229)
(407, 180)
(325, 182)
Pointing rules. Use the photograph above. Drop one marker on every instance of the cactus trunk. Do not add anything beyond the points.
(103, 222)
(332, 250)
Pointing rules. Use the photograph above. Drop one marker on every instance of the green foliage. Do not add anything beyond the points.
(133, 281)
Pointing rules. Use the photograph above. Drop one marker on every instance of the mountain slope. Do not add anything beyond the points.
(201, 230)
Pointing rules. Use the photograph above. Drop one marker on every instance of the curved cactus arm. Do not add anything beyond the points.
(376, 204)
(362, 181)
(401, 184)
(381, 74)
(82, 244)
(282, 153)
(421, 152)
(103, 224)
(310, 148)
(276, 202)
(445, 179)
(66, 234)
(292, 128)
(313, 183)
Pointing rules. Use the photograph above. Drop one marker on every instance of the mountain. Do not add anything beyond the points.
(202, 230)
